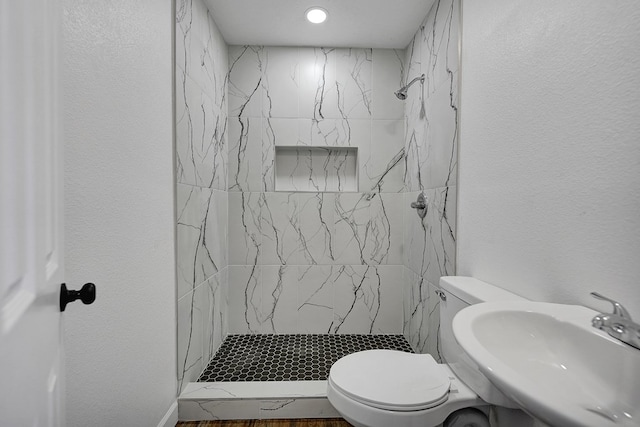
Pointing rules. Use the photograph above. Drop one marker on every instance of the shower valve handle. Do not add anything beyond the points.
(420, 205)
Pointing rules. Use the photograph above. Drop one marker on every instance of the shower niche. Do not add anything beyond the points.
(316, 169)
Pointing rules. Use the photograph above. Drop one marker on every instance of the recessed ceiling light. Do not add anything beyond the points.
(316, 15)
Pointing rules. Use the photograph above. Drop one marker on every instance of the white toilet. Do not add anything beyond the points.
(384, 388)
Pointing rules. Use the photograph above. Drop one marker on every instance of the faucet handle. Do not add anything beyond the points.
(618, 309)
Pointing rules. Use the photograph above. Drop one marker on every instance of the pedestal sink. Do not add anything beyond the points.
(553, 363)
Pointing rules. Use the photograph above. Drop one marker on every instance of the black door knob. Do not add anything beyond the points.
(87, 295)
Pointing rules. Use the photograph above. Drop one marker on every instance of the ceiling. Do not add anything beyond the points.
(351, 23)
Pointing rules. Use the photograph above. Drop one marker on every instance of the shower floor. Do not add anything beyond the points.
(289, 357)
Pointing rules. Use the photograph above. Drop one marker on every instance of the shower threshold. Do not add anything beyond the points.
(274, 376)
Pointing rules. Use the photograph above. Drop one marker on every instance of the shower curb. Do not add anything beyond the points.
(254, 400)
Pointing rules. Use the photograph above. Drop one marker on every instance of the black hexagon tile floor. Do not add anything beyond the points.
(289, 357)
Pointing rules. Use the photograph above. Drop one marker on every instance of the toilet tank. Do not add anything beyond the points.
(460, 292)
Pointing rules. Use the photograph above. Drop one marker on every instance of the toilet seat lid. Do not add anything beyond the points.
(391, 380)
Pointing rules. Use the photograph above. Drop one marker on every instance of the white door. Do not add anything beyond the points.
(31, 246)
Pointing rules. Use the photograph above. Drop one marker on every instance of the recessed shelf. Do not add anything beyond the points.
(316, 169)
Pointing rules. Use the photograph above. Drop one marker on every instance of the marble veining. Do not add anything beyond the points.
(255, 260)
(430, 167)
(316, 299)
(202, 181)
(431, 110)
(201, 98)
(315, 228)
(297, 255)
(321, 97)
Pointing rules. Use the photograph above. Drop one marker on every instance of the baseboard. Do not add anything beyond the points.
(170, 419)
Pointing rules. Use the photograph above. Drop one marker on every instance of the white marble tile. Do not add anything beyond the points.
(284, 132)
(189, 229)
(280, 299)
(356, 300)
(408, 278)
(221, 225)
(384, 238)
(440, 170)
(351, 219)
(318, 95)
(418, 316)
(245, 154)
(430, 151)
(201, 108)
(201, 235)
(245, 299)
(224, 310)
(257, 390)
(276, 132)
(245, 238)
(317, 228)
(439, 42)
(315, 299)
(407, 198)
(433, 344)
(183, 40)
(211, 250)
(416, 150)
(334, 132)
(383, 170)
(279, 224)
(245, 81)
(418, 252)
(304, 169)
(201, 140)
(201, 173)
(281, 82)
(441, 233)
(413, 68)
(353, 82)
(204, 410)
(216, 62)
(190, 345)
(239, 409)
(213, 315)
(389, 320)
(191, 23)
(297, 408)
(368, 299)
(387, 77)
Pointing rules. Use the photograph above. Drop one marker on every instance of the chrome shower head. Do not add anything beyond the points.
(401, 93)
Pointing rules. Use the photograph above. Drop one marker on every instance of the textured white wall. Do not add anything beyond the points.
(549, 184)
(121, 351)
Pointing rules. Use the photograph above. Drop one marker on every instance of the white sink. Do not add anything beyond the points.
(553, 363)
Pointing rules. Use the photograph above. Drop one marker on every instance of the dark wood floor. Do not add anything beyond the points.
(326, 422)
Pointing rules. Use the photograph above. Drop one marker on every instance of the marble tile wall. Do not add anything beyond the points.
(313, 260)
(431, 145)
(202, 198)
(255, 260)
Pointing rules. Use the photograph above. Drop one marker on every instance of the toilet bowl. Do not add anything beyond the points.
(383, 388)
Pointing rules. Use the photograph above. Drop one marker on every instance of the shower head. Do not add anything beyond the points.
(401, 93)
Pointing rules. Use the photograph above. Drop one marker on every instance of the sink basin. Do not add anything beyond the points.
(553, 363)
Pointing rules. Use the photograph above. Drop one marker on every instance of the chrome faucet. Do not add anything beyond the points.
(617, 324)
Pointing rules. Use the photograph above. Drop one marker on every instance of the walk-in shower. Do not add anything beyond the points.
(277, 283)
